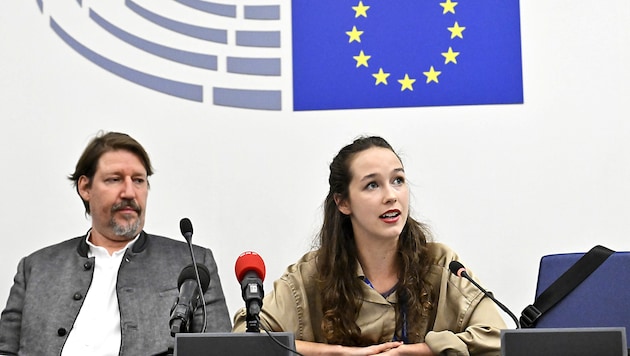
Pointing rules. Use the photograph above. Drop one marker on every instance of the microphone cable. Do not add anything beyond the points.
(460, 271)
(274, 338)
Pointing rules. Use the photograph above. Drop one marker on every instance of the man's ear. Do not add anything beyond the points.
(342, 204)
(83, 186)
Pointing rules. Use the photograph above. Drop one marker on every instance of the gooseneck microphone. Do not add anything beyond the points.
(186, 228)
(250, 272)
(459, 270)
(190, 296)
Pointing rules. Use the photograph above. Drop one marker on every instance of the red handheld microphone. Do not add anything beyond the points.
(250, 272)
(249, 261)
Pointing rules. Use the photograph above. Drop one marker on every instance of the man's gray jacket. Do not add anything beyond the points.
(51, 284)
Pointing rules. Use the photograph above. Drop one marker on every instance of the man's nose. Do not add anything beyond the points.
(127, 189)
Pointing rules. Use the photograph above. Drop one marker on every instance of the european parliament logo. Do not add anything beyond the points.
(345, 54)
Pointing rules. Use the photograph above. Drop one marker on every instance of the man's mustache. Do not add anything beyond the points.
(127, 204)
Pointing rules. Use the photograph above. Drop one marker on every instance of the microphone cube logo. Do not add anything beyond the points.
(328, 54)
(253, 288)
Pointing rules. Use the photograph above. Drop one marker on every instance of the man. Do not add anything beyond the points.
(111, 291)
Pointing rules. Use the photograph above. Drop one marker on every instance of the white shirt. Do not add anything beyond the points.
(96, 330)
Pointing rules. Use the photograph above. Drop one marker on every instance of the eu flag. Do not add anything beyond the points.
(350, 54)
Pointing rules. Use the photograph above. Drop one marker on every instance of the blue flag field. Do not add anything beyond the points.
(350, 54)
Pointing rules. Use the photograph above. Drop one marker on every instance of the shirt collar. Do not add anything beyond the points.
(371, 294)
(98, 250)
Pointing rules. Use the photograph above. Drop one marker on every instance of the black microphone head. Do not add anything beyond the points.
(456, 268)
(185, 226)
(189, 273)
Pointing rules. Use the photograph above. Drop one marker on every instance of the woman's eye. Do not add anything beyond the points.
(399, 181)
(371, 186)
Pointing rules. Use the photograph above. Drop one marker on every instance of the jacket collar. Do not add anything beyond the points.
(139, 246)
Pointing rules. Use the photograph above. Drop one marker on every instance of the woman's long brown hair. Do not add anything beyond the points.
(337, 260)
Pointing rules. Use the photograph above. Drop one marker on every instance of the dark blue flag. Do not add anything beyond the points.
(350, 54)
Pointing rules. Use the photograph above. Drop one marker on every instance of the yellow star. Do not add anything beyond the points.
(406, 83)
(448, 6)
(355, 35)
(381, 77)
(450, 56)
(432, 75)
(360, 10)
(456, 30)
(361, 59)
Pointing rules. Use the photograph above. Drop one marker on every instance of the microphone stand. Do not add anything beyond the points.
(203, 301)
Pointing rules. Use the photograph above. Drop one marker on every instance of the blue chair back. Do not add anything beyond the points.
(601, 300)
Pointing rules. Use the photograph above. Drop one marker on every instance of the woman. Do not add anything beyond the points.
(375, 285)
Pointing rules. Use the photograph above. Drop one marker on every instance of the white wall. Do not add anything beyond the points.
(503, 185)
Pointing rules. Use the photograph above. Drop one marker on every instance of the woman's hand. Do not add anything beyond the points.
(387, 348)
(421, 349)
(374, 349)
(307, 348)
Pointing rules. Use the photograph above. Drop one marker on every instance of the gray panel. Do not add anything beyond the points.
(256, 66)
(248, 99)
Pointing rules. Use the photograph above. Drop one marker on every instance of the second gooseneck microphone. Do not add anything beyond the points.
(190, 296)
(459, 270)
(186, 228)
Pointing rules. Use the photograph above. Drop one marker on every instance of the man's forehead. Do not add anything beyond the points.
(119, 161)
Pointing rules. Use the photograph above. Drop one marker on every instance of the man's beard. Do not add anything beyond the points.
(130, 229)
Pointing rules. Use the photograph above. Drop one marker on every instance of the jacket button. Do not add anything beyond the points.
(77, 296)
(87, 265)
(62, 332)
